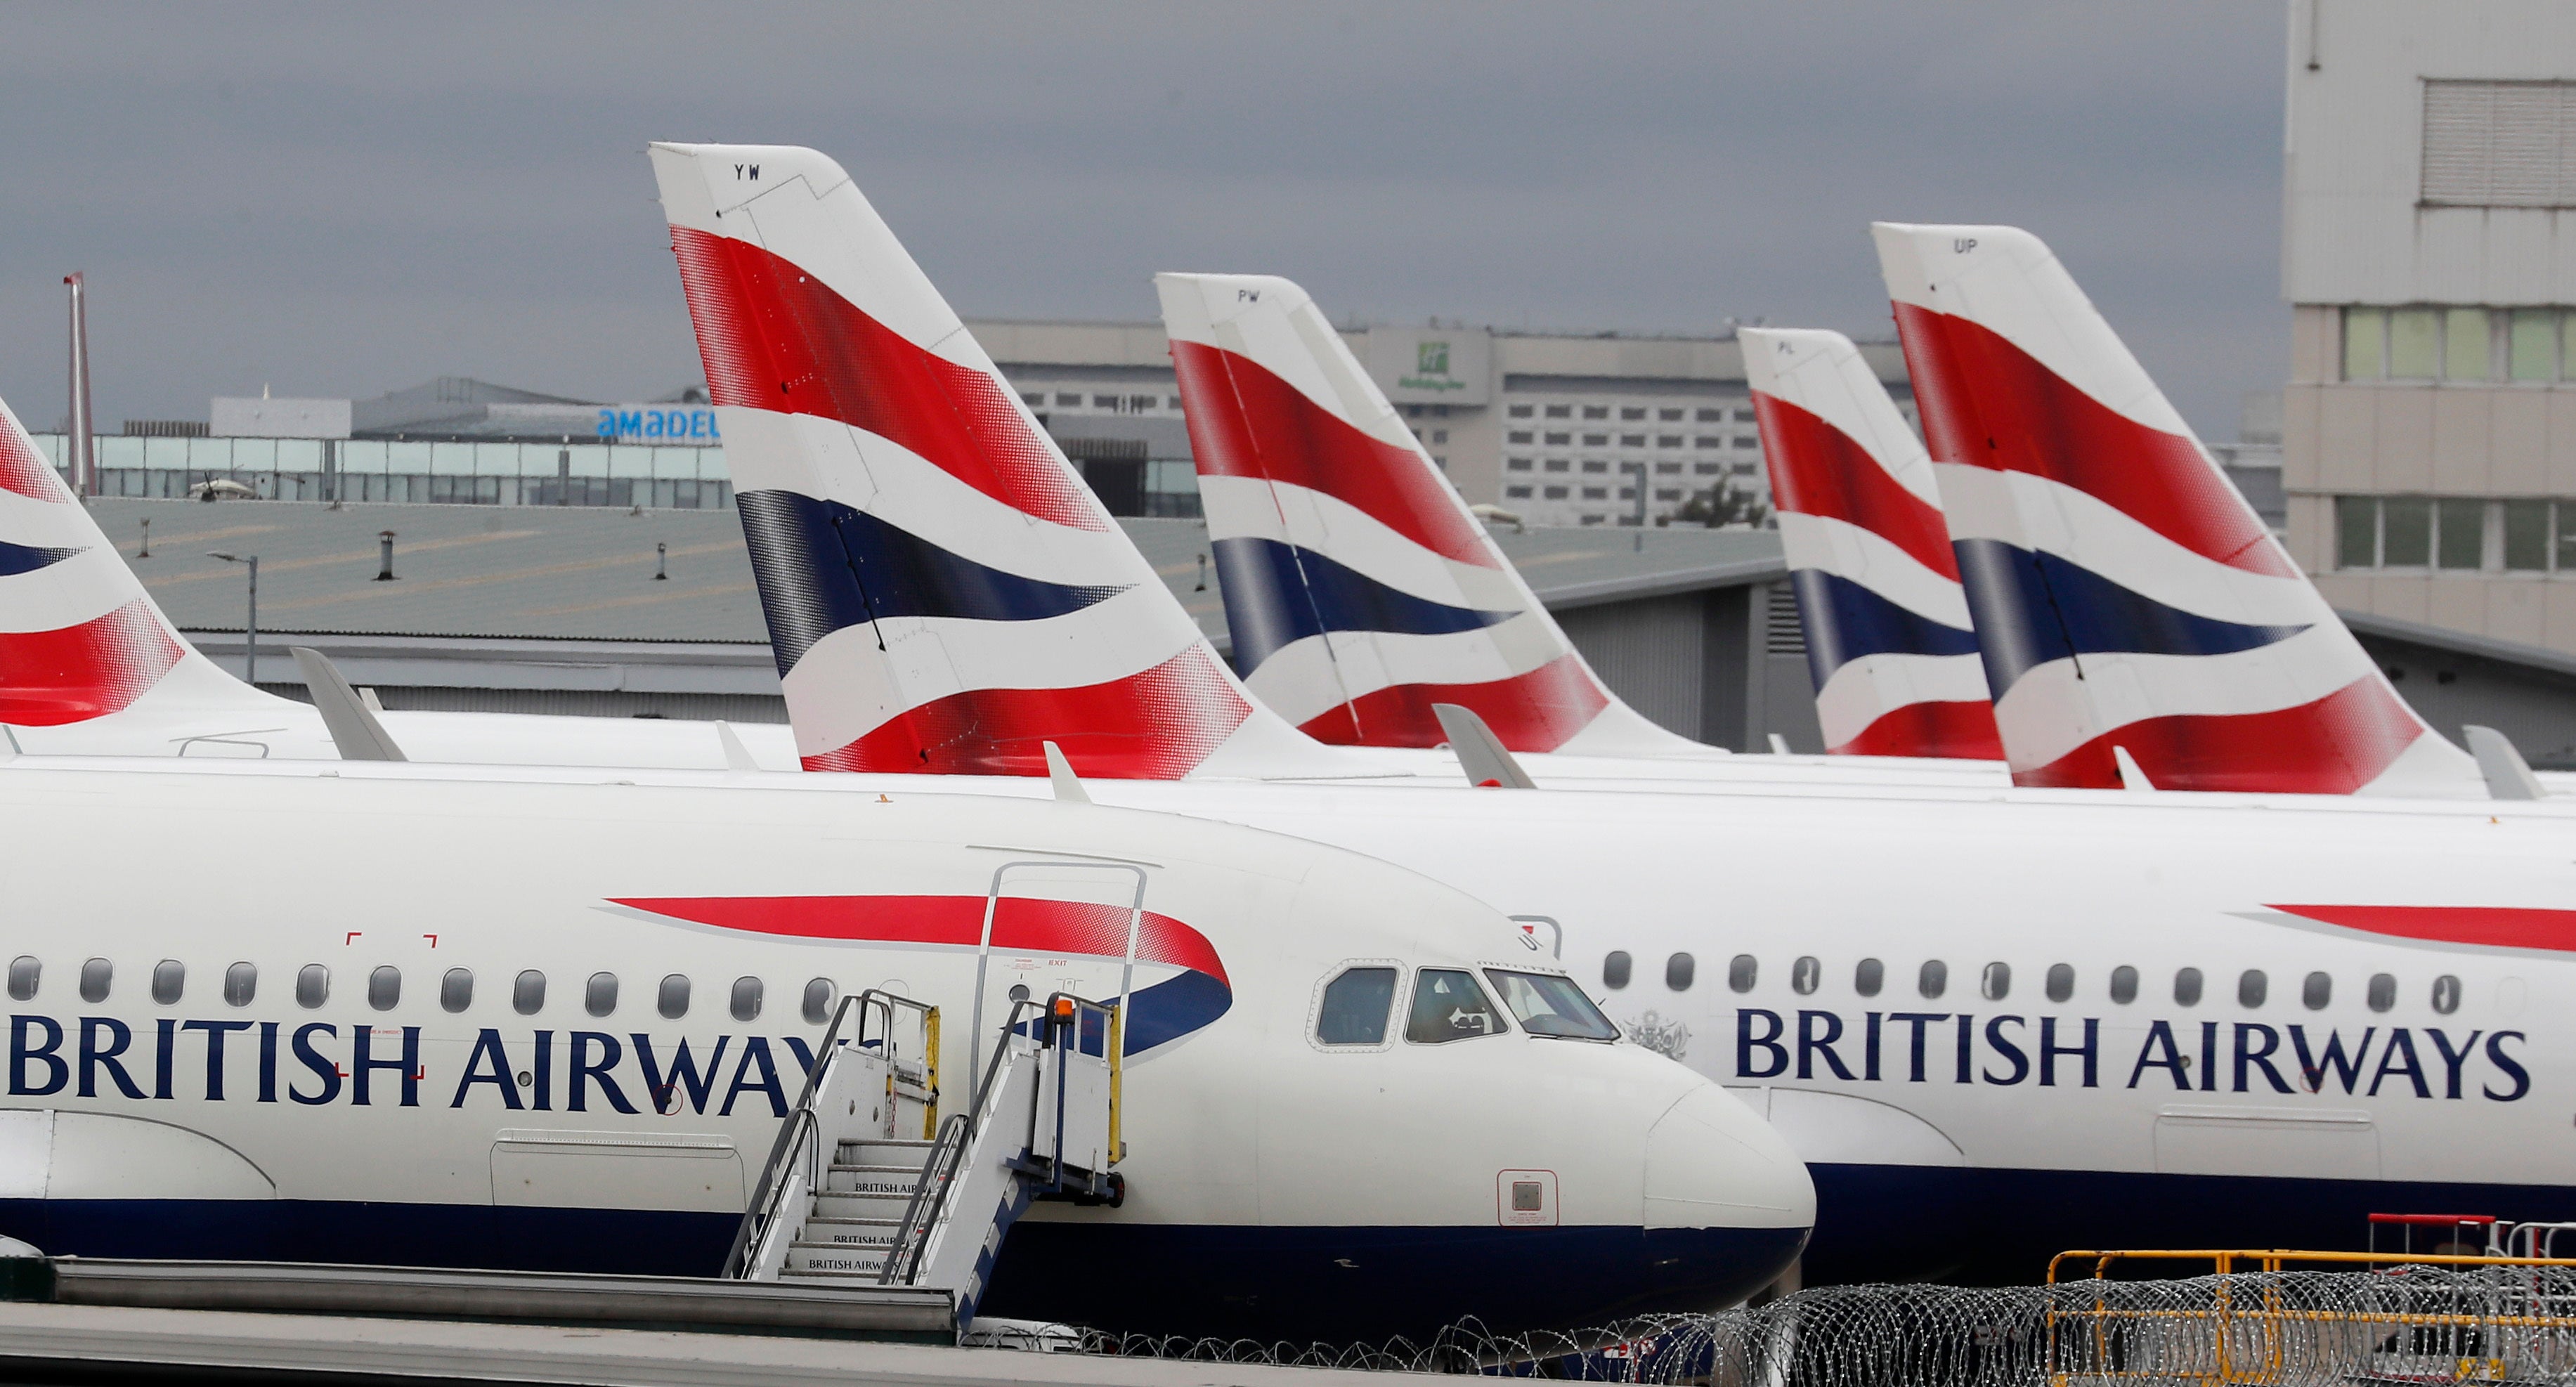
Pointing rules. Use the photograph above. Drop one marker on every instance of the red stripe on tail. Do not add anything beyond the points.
(1987, 403)
(25, 471)
(1817, 469)
(2333, 746)
(1965, 730)
(1021, 924)
(1245, 421)
(1157, 725)
(773, 337)
(1537, 711)
(48, 678)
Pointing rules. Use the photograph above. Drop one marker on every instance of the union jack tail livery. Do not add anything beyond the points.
(79, 638)
(943, 593)
(1889, 643)
(1359, 588)
(2125, 595)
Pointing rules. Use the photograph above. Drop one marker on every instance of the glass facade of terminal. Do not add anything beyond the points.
(490, 474)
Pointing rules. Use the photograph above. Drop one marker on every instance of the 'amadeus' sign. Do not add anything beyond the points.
(1449, 365)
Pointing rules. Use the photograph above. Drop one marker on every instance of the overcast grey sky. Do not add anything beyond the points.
(341, 200)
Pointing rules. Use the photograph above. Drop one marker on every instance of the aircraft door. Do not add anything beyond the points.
(1054, 926)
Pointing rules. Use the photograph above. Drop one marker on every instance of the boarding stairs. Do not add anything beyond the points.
(866, 1186)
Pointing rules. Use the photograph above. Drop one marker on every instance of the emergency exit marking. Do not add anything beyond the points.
(1525, 1198)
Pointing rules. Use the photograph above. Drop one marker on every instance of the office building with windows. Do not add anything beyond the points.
(2429, 424)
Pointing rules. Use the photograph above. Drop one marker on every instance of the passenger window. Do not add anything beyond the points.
(2061, 981)
(2124, 985)
(599, 997)
(2317, 991)
(673, 998)
(169, 979)
(2252, 987)
(2383, 991)
(1547, 1004)
(384, 988)
(1868, 977)
(1804, 974)
(456, 990)
(1356, 1006)
(312, 986)
(2446, 994)
(1679, 971)
(241, 983)
(24, 973)
(2187, 987)
(1996, 984)
(528, 994)
(746, 999)
(95, 977)
(1933, 979)
(1447, 1005)
(1614, 970)
(818, 1001)
(1741, 973)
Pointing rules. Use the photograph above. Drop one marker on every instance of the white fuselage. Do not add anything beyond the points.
(179, 1087)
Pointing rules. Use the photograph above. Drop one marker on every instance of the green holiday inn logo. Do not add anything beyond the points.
(1430, 369)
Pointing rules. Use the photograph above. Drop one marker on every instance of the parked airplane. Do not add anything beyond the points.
(2127, 599)
(1355, 1103)
(1889, 643)
(2106, 1083)
(90, 665)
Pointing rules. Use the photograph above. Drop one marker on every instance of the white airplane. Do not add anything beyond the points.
(559, 1026)
(89, 665)
(2458, 904)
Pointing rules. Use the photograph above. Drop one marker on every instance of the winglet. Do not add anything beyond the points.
(737, 757)
(2508, 775)
(2131, 778)
(1488, 763)
(1068, 786)
(353, 729)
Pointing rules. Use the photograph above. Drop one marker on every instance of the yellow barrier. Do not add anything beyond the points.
(2250, 1339)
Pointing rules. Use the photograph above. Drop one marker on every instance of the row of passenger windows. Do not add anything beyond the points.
(384, 988)
(1994, 983)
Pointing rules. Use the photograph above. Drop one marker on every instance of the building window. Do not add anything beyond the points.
(2455, 534)
(1596, 411)
(1708, 440)
(1668, 440)
(1594, 519)
(1523, 436)
(1707, 469)
(1559, 440)
(1517, 493)
(1596, 440)
(1033, 399)
(1746, 440)
(1596, 493)
(2531, 345)
(1172, 402)
(1632, 412)
(1517, 464)
(1558, 464)
(1668, 469)
(1669, 493)
(1744, 416)
(2496, 144)
(1067, 400)
(2526, 536)
(1555, 493)
(1711, 416)
(1632, 440)
(1560, 411)
(1596, 467)
(1439, 435)
(1669, 416)
(1108, 402)
(1742, 469)
(1520, 411)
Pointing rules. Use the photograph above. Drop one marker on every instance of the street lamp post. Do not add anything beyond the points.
(250, 627)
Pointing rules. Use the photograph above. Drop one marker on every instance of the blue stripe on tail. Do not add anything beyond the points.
(27, 558)
(2031, 608)
(1845, 621)
(1277, 594)
(823, 566)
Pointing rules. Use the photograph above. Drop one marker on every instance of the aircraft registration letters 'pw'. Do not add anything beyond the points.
(2108, 1111)
(568, 1050)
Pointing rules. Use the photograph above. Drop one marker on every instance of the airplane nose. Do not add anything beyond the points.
(1728, 1206)
(1711, 1163)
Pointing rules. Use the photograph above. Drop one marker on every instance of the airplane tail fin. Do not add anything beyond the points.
(943, 593)
(1360, 590)
(1889, 642)
(2125, 595)
(79, 637)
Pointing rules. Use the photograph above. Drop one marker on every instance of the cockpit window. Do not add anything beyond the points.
(1447, 1005)
(1546, 1004)
(1356, 1006)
